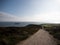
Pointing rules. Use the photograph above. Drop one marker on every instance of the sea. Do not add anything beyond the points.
(17, 24)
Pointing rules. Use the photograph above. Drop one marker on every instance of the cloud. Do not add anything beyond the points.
(45, 11)
(8, 17)
(45, 17)
(52, 17)
(42, 11)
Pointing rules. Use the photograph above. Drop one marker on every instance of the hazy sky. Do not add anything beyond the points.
(32, 10)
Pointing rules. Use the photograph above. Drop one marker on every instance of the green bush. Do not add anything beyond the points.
(57, 35)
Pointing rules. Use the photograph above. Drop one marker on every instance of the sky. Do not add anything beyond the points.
(31, 10)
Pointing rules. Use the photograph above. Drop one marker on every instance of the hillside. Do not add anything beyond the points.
(13, 35)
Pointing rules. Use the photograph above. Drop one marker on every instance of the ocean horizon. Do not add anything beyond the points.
(17, 24)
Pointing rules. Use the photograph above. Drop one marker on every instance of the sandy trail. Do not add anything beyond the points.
(41, 37)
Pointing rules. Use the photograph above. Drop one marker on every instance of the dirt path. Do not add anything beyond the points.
(40, 38)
